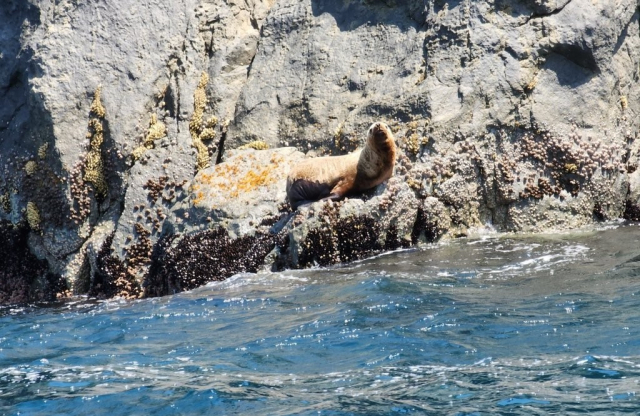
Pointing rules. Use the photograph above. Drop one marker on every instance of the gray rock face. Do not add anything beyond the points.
(518, 114)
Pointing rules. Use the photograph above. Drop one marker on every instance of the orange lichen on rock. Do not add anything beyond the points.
(230, 180)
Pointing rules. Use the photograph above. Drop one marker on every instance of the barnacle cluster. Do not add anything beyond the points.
(42, 151)
(33, 215)
(81, 203)
(564, 163)
(5, 202)
(163, 188)
(413, 138)
(343, 142)
(438, 169)
(156, 130)
(200, 129)
(155, 187)
(30, 167)
(94, 164)
(112, 277)
(256, 144)
(156, 190)
(139, 254)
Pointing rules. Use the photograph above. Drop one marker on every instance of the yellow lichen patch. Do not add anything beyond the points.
(94, 165)
(199, 130)
(157, 130)
(30, 167)
(256, 144)
(42, 151)
(276, 159)
(33, 216)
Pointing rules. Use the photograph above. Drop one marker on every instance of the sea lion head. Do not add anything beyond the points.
(379, 132)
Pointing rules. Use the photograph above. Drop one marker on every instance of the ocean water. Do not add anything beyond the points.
(497, 325)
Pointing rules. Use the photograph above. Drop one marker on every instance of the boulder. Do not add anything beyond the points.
(119, 125)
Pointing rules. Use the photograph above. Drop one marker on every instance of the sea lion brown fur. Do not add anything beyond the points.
(334, 177)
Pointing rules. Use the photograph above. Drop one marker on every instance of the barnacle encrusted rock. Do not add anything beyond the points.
(177, 266)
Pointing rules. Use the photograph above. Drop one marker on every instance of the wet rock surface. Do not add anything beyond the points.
(119, 127)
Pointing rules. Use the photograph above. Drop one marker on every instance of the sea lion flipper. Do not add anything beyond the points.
(303, 191)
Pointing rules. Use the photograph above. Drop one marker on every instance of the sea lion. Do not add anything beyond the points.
(334, 177)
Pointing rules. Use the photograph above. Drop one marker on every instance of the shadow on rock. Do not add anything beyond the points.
(351, 15)
(24, 278)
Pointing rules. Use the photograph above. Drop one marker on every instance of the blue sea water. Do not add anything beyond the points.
(497, 325)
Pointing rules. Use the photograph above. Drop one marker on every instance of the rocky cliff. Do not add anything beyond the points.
(144, 146)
